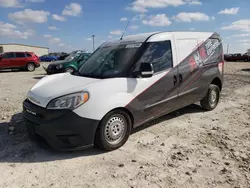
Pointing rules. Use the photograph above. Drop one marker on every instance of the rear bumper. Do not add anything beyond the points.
(62, 129)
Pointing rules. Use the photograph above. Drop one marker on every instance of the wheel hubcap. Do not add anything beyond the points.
(213, 96)
(115, 129)
(30, 67)
(69, 70)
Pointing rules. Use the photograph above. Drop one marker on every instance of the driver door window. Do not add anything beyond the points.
(159, 54)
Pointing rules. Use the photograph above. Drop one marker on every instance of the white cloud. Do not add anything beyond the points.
(89, 38)
(244, 41)
(143, 5)
(192, 16)
(58, 18)
(110, 37)
(191, 29)
(134, 27)
(116, 32)
(240, 35)
(10, 3)
(195, 2)
(73, 9)
(53, 28)
(240, 25)
(230, 11)
(246, 44)
(35, 1)
(138, 17)
(61, 44)
(10, 31)
(157, 20)
(55, 40)
(124, 19)
(29, 16)
(102, 41)
(47, 36)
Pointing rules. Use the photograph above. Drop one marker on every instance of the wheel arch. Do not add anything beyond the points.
(70, 66)
(29, 62)
(119, 108)
(217, 81)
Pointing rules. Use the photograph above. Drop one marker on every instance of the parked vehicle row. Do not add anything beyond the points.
(51, 57)
(71, 64)
(29, 61)
(48, 58)
(124, 84)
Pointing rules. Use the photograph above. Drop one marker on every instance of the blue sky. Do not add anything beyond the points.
(66, 25)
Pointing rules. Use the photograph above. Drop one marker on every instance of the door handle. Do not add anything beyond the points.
(175, 79)
(180, 78)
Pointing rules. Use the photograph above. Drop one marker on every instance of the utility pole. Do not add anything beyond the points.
(227, 48)
(93, 36)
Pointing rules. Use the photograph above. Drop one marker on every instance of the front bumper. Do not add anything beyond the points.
(53, 70)
(62, 129)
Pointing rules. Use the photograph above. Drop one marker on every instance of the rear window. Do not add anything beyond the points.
(9, 55)
(20, 55)
(213, 50)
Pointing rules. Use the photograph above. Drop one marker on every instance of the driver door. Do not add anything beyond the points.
(159, 91)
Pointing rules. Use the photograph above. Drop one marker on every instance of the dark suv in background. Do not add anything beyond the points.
(19, 60)
(237, 57)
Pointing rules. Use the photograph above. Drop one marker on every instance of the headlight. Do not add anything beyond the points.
(71, 101)
(59, 66)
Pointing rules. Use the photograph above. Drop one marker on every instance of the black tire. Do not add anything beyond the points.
(70, 70)
(102, 137)
(211, 100)
(31, 67)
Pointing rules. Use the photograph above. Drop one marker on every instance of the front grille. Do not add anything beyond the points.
(41, 113)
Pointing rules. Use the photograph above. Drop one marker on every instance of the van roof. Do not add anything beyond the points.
(157, 35)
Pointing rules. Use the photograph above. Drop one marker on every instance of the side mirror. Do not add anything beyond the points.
(146, 70)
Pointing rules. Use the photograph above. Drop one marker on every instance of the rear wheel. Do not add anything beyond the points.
(211, 100)
(114, 130)
(31, 67)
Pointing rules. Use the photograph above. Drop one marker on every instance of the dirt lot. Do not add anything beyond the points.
(187, 148)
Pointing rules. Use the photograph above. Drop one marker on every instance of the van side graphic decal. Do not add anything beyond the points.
(197, 62)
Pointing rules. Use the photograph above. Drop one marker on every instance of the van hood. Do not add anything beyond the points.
(57, 85)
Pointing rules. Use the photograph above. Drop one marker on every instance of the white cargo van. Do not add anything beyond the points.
(124, 84)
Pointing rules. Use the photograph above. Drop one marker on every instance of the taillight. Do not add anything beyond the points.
(221, 66)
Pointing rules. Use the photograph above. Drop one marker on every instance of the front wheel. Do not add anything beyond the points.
(211, 100)
(114, 130)
(70, 70)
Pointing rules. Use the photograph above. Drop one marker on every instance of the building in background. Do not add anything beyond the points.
(38, 50)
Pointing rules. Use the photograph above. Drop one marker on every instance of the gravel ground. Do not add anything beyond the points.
(187, 148)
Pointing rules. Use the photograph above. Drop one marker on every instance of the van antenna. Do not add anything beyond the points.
(125, 29)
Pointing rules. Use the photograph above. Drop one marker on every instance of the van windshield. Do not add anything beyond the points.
(109, 61)
(72, 56)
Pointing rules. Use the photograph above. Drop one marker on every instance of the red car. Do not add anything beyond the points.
(19, 60)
